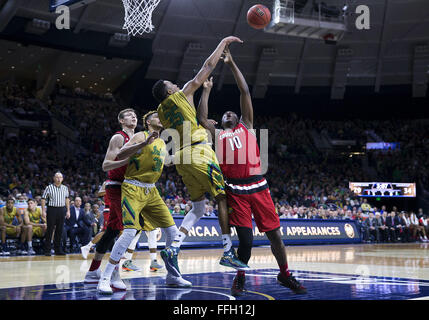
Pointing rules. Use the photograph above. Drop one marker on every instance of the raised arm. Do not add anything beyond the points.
(245, 97)
(203, 108)
(137, 142)
(208, 67)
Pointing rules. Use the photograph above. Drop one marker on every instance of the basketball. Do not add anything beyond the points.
(258, 16)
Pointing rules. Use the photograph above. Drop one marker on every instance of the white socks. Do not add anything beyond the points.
(178, 239)
(107, 273)
(226, 241)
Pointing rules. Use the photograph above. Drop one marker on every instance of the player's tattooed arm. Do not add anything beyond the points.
(137, 142)
(245, 97)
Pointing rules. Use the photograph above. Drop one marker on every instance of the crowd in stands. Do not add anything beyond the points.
(304, 181)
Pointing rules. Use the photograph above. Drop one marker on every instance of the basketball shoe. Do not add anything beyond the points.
(92, 277)
(230, 259)
(129, 266)
(169, 255)
(291, 283)
(238, 288)
(155, 266)
(179, 282)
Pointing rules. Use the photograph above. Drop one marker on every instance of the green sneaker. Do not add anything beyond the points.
(129, 266)
(230, 259)
(169, 255)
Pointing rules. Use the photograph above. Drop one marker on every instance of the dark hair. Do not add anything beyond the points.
(159, 91)
(146, 117)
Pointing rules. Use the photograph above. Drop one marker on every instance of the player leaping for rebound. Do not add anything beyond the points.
(202, 173)
(246, 189)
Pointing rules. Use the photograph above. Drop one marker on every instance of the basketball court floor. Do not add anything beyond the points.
(329, 272)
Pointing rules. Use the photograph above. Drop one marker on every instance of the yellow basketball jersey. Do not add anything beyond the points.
(177, 113)
(147, 164)
(35, 216)
(8, 216)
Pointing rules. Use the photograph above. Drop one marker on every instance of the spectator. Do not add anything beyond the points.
(35, 223)
(187, 209)
(177, 210)
(365, 206)
(417, 229)
(209, 212)
(96, 219)
(382, 228)
(405, 220)
(74, 226)
(370, 226)
(394, 226)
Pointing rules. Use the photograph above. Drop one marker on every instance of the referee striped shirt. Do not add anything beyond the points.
(56, 196)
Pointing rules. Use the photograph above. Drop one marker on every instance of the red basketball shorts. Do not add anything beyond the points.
(251, 196)
(114, 221)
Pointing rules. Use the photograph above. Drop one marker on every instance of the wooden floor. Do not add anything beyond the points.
(403, 261)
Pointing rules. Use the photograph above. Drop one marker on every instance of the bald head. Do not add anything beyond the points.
(58, 178)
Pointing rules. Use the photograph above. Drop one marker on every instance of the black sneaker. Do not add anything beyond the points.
(291, 283)
(237, 288)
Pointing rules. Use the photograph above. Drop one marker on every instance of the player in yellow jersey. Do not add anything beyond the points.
(34, 224)
(11, 226)
(142, 206)
(195, 160)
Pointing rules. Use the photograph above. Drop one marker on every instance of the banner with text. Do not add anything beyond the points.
(206, 232)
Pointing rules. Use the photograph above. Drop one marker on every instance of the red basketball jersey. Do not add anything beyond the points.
(118, 173)
(238, 153)
(106, 202)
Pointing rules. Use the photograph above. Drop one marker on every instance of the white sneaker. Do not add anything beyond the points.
(92, 276)
(104, 286)
(85, 250)
(31, 252)
(116, 281)
(173, 281)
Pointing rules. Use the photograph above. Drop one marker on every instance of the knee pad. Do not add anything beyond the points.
(122, 244)
(193, 216)
(106, 240)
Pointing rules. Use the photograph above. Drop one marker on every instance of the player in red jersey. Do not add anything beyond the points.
(247, 190)
(116, 168)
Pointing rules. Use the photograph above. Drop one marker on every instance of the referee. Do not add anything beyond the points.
(57, 197)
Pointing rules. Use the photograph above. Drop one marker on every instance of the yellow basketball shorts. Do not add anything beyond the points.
(200, 170)
(11, 231)
(143, 209)
(38, 232)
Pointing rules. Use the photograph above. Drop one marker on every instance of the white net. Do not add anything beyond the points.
(138, 16)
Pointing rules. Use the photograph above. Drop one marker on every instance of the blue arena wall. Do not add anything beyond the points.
(207, 233)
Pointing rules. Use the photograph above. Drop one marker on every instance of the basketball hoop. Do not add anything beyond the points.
(138, 16)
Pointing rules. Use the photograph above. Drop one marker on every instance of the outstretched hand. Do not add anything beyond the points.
(231, 39)
(208, 84)
(226, 55)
